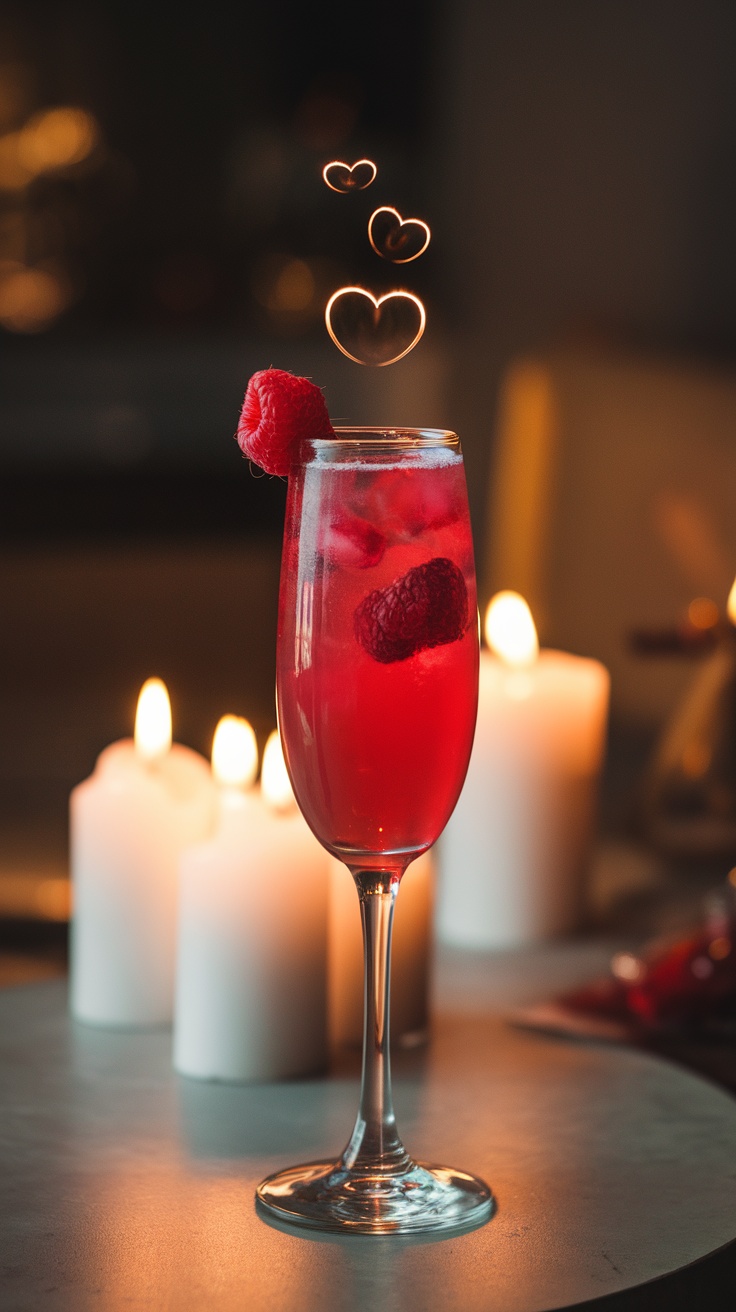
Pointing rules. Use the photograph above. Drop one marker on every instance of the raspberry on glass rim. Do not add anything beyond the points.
(280, 411)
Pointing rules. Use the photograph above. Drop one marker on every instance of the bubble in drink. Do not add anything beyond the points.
(378, 650)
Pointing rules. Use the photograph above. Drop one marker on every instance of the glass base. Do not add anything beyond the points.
(422, 1199)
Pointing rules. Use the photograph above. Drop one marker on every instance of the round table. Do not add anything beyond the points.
(125, 1187)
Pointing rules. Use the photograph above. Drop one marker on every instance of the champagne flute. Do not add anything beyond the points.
(377, 686)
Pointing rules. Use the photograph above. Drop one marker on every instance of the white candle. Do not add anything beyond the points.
(513, 856)
(410, 955)
(251, 995)
(145, 801)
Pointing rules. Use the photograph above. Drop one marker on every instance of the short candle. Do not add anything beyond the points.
(252, 959)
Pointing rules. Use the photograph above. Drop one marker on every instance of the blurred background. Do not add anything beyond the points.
(164, 231)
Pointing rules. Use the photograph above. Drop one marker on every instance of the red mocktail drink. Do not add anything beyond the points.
(377, 684)
(378, 643)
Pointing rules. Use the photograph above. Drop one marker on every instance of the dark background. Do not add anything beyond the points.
(576, 163)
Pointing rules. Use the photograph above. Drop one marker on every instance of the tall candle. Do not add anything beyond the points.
(251, 994)
(411, 953)
(513, 857)
(146, 800)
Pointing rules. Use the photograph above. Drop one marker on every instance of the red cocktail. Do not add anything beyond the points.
(377, 696)
(377, 742)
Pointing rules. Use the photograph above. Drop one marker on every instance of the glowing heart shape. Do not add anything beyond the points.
(349, 177)
(372, 330)
(396, 239)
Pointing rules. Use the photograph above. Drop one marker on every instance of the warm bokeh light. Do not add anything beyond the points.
(731, 603)
(396, 239)
(695, 759)
(28, 897)
(53, 899)
(57, 138)
(720, 948)
(153, 722)
(374, 330)
(703, 613)
(627, 967)
(234, 753)
(343, 177)
(293, 288)
(510, 631)
(31, 299)
(275, 783)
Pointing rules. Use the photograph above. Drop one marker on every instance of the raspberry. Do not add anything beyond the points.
(279, 412)
(426, 607)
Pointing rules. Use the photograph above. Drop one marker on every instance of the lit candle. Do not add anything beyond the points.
(513, 856)
(411, 951)
(252, 963)
(146, 800)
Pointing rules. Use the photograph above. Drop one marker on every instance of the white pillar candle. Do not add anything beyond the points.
(513, 856)
(251, 994)
(410, 955)
(146, 800)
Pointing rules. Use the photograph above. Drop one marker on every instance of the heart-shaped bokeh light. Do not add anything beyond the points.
(374, 330)
(396, 239)
(349, 177)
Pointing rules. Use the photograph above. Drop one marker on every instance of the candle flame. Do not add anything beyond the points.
(234, 753)
(153, 722)
(275, 783)
(510, 630)
(731, 603)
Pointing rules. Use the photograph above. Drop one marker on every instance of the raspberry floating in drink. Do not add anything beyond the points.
(426, 607)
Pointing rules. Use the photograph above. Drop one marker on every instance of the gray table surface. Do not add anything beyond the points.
(125, 1187)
